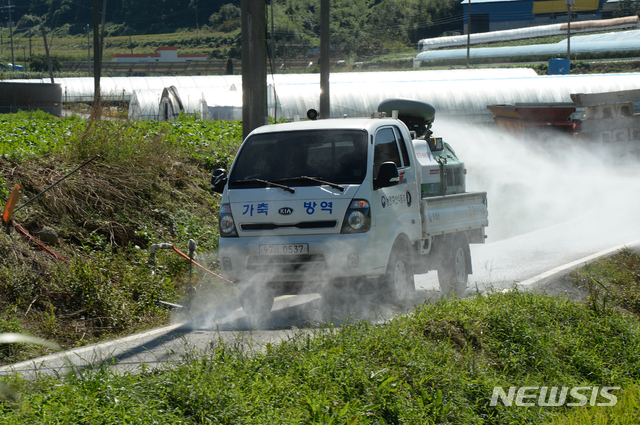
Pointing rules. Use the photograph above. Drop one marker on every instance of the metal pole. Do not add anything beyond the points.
(11, 34)
(325, 59)
(568, 30)
(468, 32)
(192, 248)
(88, 51)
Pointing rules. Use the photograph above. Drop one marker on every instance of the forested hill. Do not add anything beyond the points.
(357, 26)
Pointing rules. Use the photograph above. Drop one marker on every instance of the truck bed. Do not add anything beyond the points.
(454, 213)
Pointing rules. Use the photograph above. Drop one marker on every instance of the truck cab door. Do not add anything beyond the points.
(390, 205)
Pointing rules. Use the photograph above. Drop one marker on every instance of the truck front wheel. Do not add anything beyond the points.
(256, 301)
(398, 282)
(453, 275)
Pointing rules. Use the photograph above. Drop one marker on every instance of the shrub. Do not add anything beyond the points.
(39, 63)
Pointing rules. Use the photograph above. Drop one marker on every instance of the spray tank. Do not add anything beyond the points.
(443, 173)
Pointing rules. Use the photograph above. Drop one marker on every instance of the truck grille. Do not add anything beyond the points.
(302, 225)
(287, 263)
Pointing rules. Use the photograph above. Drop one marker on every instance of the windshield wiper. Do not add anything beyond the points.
(317, 180)
(268, 183)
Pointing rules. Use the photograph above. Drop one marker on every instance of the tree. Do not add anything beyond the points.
(227, 19)
(626, 8)
(39, 63)
(28, 21)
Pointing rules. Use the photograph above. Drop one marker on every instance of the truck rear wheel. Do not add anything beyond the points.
(398, 282)
(256, 302)
(453, 275)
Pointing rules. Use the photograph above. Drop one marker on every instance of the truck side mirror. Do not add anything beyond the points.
(219, 180)
(387, 176)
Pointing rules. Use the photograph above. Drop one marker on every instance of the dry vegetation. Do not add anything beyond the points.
(141, 190)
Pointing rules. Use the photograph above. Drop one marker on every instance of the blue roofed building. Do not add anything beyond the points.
(497, 15)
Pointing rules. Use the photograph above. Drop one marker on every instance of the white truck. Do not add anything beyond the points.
(353, 204)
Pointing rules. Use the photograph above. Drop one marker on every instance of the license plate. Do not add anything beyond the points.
(285, 249)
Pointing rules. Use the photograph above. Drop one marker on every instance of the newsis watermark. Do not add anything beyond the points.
(554, 396)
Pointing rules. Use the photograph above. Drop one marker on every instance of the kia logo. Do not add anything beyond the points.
(285, 211)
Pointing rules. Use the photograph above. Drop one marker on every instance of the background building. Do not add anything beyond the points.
(161, 54)
(496, 15)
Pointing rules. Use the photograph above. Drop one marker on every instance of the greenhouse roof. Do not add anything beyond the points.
(596, 43)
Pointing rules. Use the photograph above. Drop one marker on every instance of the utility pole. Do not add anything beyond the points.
(10, 6)
(104, 16)
(468, 32)
(88, 51)
(273, 40)
(254, 65)
(569, 3)
(325, 59)
(46, 50)
(96, 59)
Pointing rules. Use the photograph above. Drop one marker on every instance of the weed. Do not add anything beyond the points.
(149, 185)
(599, 295)
(625, 412)
(365, 373)
(612, 282)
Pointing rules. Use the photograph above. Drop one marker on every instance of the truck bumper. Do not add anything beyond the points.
(329, 257)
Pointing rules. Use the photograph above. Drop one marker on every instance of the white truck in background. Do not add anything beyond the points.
(353, 204)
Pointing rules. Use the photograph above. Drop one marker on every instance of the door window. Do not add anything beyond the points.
(385, 150)
(403, 147)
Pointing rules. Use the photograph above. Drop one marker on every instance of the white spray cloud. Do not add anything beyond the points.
(537, 184)
(531, 185)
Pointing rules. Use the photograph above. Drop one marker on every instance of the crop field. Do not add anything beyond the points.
(74, 48)
(28, 135)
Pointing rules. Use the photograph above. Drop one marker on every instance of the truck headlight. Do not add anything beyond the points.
(226, 224)
(357, 218)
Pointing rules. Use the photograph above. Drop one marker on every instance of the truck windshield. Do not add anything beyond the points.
(333, 156)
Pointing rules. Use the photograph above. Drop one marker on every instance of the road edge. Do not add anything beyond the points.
(555, 273)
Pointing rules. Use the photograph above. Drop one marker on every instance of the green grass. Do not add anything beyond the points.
(625, 412)
(613, 282)
(436, 365)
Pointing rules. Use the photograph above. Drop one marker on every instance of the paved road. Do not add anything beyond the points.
(548, 208)
(551, 201)
(291, 317)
